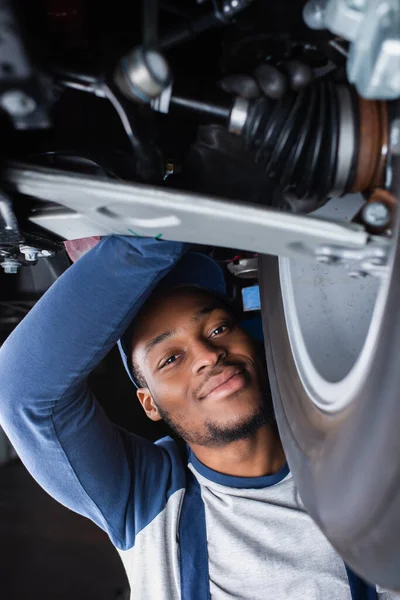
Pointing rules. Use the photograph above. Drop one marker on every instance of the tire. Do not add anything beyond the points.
(341, 436)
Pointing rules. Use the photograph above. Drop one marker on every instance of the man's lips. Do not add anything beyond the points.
(230, 380)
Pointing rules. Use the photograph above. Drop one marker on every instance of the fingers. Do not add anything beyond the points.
(77, 248)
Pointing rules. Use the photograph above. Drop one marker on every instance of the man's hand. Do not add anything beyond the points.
(77, 248)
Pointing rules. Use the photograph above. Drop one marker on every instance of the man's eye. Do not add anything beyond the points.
(169, 360)
(219, 330)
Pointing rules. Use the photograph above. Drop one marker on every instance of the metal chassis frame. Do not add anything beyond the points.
(87, 206)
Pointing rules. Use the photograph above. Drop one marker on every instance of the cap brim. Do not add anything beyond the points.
(194, 269)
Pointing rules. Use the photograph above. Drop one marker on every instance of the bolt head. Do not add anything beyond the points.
(314, 14)
(10, 267)
(376, 214)
(17, 103)
(29, 252)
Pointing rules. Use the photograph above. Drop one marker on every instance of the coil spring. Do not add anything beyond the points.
(296, 139)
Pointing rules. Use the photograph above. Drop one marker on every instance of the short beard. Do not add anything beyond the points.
(216, 435)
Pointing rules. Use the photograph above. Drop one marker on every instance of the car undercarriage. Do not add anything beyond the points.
(269, 134)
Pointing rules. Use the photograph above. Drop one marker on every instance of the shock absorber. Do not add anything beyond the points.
(322, 141)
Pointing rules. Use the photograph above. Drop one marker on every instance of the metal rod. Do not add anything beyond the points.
(208, 109)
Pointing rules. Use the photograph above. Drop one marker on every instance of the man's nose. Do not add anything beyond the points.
(206, 354)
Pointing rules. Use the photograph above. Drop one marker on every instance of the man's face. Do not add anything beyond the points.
(204, 375)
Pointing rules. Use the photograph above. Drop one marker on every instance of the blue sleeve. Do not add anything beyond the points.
(60, 432)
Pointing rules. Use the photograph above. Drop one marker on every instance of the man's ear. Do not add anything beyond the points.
(148, 404)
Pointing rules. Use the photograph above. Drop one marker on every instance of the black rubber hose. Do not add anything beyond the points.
(352, 173)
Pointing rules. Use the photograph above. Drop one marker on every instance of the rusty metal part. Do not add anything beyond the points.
(388, 199)
(372, 145)
(379, 178)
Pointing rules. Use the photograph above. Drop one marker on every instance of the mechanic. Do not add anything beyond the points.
(212, 512)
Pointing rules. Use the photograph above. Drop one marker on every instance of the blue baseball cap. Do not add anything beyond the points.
(194, 270)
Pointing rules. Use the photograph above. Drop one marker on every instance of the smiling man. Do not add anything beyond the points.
(207, 380)
(212, 512)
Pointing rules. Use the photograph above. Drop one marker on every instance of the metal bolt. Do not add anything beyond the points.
(376, 214)
(395, 137)
(314, 14)
(30, 256)
(10, 266)
(17, 103)
(30, 253)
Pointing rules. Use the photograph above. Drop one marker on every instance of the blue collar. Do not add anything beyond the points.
(238, 482)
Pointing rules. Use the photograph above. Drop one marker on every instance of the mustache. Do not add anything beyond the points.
(217, 370)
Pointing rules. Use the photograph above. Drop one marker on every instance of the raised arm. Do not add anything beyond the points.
(60, 432)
